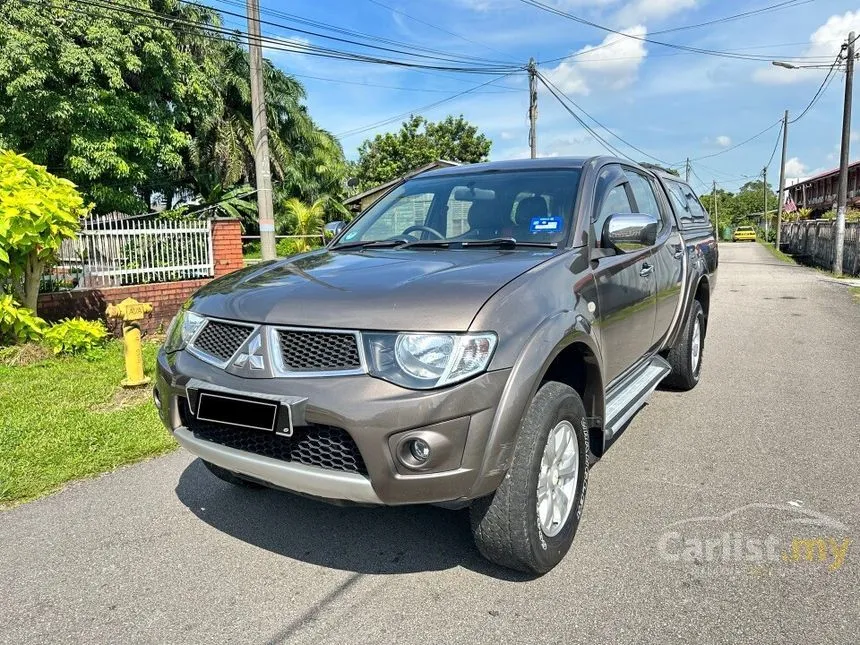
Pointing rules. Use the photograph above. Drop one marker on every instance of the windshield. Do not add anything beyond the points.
(525, 207)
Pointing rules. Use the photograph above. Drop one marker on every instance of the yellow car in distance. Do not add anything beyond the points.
(743, 234)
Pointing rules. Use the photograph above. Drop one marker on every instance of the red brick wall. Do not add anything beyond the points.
(165, 297)
(227, 245)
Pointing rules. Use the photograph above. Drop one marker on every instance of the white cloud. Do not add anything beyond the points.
(723, 141)
(824, 42)
(795, 169)
(613, 64)
(639, 11)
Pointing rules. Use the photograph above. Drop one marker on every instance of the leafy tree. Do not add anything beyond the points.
(751, 199)
(101, 98)
(230, 202)
(419, 142)
(37, 212)
(138, 108)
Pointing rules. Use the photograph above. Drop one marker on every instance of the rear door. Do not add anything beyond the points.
(667, 256)
(625, 282)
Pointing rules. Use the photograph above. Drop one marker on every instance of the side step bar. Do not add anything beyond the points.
(625, 399)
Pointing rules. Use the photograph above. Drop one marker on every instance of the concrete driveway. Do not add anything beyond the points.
(687, 534)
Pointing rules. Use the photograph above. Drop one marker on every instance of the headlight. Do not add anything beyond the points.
(182, 329)
(424, 361)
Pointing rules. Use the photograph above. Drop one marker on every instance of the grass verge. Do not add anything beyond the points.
(66, 418)
(855, 291)
(775, 252)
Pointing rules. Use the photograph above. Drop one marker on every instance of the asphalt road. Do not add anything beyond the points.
(686, 535)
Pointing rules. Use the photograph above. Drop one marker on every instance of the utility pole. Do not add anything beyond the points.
(764, 190)
(716, 214)
(687, 170)
(265, 211)
(781, 197)
(842, 195)
(532, 68)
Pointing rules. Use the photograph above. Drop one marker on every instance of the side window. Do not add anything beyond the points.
(695, 205)
(643, 193)
(679, 200)
(615, 201)
(685, 201)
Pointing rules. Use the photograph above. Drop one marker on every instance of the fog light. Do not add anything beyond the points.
(420, 450)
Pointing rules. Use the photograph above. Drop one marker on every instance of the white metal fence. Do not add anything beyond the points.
(116, 252)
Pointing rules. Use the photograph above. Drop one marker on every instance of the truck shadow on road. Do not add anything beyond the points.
(362, 539)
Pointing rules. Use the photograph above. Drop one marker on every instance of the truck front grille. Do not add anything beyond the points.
(312, 351)
(221, 339)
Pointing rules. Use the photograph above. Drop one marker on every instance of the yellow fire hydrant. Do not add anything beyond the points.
(131, 311)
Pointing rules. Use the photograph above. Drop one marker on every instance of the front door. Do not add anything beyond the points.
(668, 253)
(626, 295)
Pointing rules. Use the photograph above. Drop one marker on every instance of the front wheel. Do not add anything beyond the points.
(529, 523)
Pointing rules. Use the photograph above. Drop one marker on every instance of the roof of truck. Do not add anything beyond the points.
(546, 163)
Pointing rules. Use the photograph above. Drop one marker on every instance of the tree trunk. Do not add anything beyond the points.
(32, 279)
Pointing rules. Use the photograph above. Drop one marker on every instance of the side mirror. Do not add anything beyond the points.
(333, 228)
(627, 232)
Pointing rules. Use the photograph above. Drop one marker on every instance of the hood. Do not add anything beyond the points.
(393, 290)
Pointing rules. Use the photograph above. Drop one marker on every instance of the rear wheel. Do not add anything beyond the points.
(529, 523)
(686, 356)
(229, 476)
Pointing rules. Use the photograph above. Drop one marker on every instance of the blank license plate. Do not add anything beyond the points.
(235, 411)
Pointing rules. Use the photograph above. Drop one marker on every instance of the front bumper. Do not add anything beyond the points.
(377, 415)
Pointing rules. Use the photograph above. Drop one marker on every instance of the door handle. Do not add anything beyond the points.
(646, 270)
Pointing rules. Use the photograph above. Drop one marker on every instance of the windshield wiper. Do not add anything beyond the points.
(509, 243)
(378, 244)
(425, 243)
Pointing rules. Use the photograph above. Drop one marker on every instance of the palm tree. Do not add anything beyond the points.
(297, 218)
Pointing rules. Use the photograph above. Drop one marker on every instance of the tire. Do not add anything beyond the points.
(686, 368)
(507, 524)
(230, 477)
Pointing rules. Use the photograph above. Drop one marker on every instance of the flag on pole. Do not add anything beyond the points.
(790, 206)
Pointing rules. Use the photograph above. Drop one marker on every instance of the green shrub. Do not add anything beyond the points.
(18, 324)
(297, 245)
(75, 336)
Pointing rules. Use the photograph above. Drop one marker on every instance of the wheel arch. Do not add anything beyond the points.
(574, 359)
(577, 365)
(703, 295)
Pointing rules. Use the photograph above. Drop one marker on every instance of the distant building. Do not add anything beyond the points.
(359, 203)
(818, 193)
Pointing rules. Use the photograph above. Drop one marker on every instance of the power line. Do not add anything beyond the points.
(697, 50)
(217, 33)
(501, 90)
(340, 30)
(742, 143)
(588, 128)
(775, 146)
(786, 4)
(825, 84)
(599, 124)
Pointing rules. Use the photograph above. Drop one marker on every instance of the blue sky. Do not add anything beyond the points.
(671, 104)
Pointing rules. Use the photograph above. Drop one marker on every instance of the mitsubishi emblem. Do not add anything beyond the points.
(252, 356)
